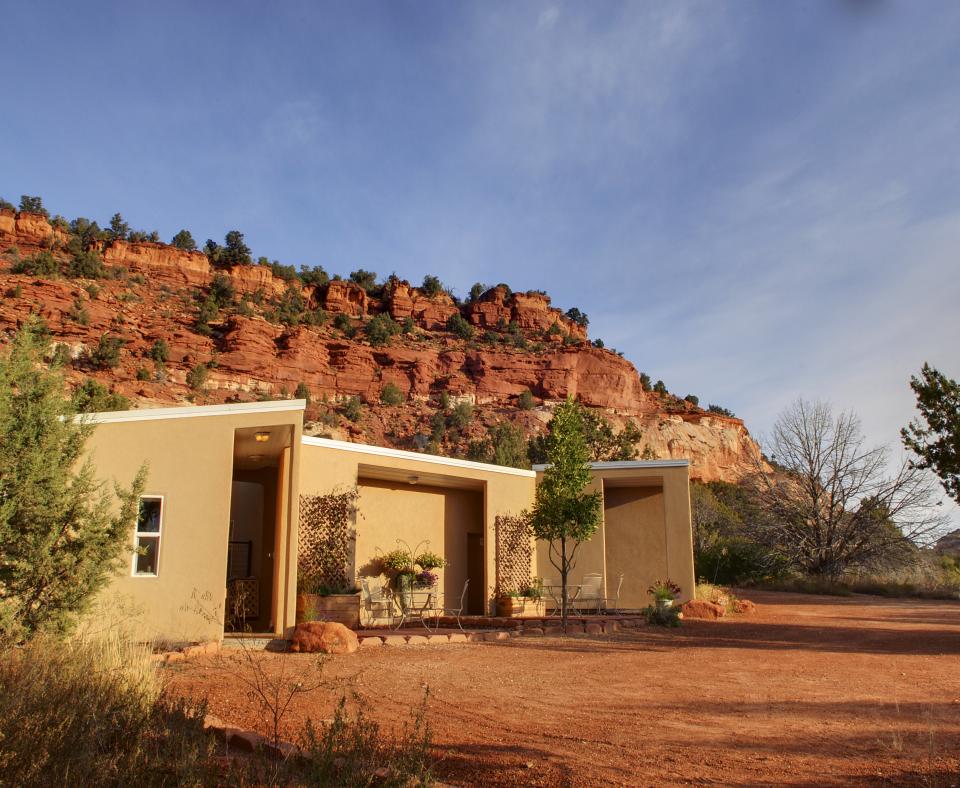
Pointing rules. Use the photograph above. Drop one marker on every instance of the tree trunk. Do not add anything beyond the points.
(564, 569)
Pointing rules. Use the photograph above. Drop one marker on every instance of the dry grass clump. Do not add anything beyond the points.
(90, 710)
(719, 595)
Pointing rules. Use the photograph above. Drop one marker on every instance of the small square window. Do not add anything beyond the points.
(146, 557)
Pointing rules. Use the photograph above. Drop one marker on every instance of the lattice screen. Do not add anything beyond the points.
(325, 536)
(514, 553)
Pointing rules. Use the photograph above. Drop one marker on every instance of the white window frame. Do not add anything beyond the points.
(158, 535)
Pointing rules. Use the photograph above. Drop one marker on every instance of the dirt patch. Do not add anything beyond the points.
(809, 690)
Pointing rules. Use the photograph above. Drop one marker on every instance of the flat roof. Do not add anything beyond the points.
(617, 465)
(192, 411)
(400, 454)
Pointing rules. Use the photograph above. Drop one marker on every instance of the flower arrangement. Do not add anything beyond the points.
(664, 590)
(426, 579)
(408, 567)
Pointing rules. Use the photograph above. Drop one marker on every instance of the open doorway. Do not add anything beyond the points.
(254, 547)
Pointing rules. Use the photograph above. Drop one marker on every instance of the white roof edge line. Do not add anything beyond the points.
(627, 465)
(192, 411)
(384, 451)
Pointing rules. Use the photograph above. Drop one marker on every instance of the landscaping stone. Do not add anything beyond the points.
(438, 639)
(699, 608)
(533, 631)
(593, 629)
(492, 636)
(553, 630)
(417, 640)
(609, 627)
(371, 641)
(394, 640)
(459, 637)
(324, 637)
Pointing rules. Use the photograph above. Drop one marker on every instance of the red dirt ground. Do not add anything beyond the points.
(810, 690)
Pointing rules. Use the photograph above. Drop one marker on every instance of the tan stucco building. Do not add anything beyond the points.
(223, 496)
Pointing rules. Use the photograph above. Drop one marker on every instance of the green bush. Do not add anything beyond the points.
(30, 204)
(459, 327)
(391, 395)
(41, 264)
(291, 307)
(526, 400)
(353, 409)
(342, 322)
(302, 392)
(221, 290)
(736, 560)
(366, 279)
(160, 352)
(197, 376)
(720, 410)
(78, 312)
(693, 399)
(645, 382)
(462, 415)
(381, 329)
(660, 387)
(432, 286)
(87, 265)
(107, 353)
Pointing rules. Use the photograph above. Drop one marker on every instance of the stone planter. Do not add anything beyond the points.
(664, 604)
(341, 608)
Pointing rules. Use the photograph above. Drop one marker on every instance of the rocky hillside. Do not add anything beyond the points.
(382, 362)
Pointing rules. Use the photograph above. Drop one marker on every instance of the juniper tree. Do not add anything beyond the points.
(936, 439)
(61, 532)
(564, 513)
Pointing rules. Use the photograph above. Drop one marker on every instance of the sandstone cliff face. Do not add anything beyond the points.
(154, 294)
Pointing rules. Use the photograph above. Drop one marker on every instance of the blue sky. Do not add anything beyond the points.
(752, 200)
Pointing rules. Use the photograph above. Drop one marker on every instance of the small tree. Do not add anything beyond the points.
(30, 204)
(564, 513)
(235, 251)
(460, 327)
(432, 286)
(833, 506)
(645, 381)
(61, 534)
(119, 229)
(936, 439)
(381, 329)
(184, 240)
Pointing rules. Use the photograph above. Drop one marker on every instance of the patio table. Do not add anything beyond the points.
(556, 589)
(422, 605)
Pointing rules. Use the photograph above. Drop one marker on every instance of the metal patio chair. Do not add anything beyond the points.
(591, 593)
(374, 599)
(443, 610)
(615, 599)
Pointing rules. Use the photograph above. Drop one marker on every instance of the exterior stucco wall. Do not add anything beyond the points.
(645, 532)
(190, 463)
(387, 510)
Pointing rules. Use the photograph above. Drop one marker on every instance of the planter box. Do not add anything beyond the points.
(342, 608)
(520, 607)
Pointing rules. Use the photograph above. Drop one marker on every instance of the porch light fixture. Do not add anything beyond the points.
(413, 479)
(262, 437)
(255, 457)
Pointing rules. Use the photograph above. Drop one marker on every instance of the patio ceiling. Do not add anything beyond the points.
(416, 478)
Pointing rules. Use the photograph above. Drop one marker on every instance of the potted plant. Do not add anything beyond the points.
(664, 593)
(408, 569)
(522, 602)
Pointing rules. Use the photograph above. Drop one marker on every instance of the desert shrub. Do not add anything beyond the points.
(89, 711)
(291, 307)
(720, 410)
(578, 317)
(554, 330)
(78, 312)
(184, 240)
(342, 322)
(206, 311)
(693, 399)
(6, 205)
(459, 327)
(87, 265)
(41, 264)
(221, 290)
(660, 387)
(735, 560)
(462, 415)
(645, 382)
(119, 229)
(143, 373)
(106, 355)
(381, 329)
(432, 286)
(302, 392)
(525, 400)
(160, 352)
(353, 409)
(91, 396)
(662, 616)
(353, 751)
(197, 376)
(719, 595)
(391, 395)
(315, 276)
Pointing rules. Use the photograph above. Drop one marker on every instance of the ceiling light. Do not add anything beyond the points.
(262, 437)
(255, 457)
(413, 479)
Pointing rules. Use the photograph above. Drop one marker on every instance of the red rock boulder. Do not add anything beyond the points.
(744, 606)
(700, 608)
(324, 637)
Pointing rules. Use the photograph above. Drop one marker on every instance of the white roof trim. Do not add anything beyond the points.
(433, 459)
(192, 411)
(627, 465)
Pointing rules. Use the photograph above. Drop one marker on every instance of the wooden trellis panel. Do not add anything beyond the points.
(324, 543)
(514, 553)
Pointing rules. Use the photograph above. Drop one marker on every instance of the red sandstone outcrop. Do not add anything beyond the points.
(250, 356)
